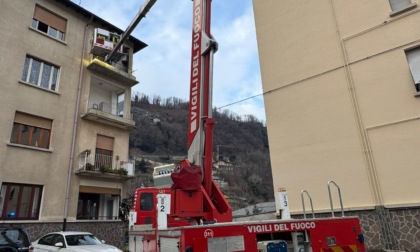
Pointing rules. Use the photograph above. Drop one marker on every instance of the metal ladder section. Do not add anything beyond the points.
(304, 192)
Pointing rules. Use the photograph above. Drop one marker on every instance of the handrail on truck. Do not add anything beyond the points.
(303, 204)
(339, 195)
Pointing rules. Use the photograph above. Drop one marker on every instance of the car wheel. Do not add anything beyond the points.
(8, 249)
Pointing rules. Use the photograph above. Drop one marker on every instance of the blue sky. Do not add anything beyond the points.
(163, 68)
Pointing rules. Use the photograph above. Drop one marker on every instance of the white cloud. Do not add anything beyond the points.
(163, 68)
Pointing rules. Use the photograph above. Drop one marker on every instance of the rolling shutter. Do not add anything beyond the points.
(104, 142)
(49, 18)
(31, 120)
(169, 244)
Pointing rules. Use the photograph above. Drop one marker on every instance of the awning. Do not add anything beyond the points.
(99, 190)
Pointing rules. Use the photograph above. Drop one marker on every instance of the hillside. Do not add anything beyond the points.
(242, 145)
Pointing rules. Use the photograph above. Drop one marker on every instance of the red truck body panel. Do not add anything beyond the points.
(329, 234)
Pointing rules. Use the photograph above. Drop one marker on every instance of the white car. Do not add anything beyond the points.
(70, 241)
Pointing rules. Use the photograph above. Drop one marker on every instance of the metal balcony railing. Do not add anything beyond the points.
(101, 106)
(108, 108)
(104, 163)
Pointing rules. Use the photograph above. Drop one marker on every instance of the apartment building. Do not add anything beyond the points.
(65, 118)
(342, 98)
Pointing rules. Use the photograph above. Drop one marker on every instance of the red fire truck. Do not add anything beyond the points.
(186, 211)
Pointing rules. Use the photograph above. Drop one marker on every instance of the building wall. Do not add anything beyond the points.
(49, 167)
(28, 165)
(340, 101)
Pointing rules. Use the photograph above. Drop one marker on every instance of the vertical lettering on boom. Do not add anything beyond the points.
(195, 83)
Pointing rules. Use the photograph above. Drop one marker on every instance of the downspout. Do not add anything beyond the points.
(75, 124)
(367, 150)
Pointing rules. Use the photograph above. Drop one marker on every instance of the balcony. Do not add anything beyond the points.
(113, 72)
(105, 166)
(103, 112)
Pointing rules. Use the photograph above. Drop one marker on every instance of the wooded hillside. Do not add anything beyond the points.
(242, 143)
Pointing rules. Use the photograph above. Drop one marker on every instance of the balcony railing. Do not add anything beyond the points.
(105, 164)
(107, 108)
(106, 113)
(122, 75)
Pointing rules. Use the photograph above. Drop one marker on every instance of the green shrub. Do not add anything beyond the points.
(90, 167)
(105, 169)
(122, 171)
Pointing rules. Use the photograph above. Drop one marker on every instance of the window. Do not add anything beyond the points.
(146, 202)
(413, 58)
(47, 240)
(20, 201)
(399, 6)
(95, 203)
(120, 105)
(49, 23)
(88, 206)
(104, 152)
(31, 130)
(40, 73)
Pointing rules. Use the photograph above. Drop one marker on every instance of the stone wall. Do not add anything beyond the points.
(391, 229)
(112, 232)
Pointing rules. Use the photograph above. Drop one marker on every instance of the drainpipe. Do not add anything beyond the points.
(365, 143)
(75, 123)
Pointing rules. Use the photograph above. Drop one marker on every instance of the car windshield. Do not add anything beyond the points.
(10, 237)
(82, 239)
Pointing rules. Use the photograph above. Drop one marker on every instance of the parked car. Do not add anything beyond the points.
(70, 241)
(13, 239)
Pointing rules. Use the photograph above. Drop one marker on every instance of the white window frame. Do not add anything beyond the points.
(35, 25)
(26, 78)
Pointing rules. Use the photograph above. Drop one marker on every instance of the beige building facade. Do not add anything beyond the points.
(65, 117)
(342, 99)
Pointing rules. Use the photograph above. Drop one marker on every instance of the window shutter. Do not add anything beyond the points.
(99, 190)
(49, 18)
(33, 120)
(104, 142)
(413, 57)
(397, 5)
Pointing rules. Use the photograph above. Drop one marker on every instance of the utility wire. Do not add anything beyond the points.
(233, 103)
(276, 89)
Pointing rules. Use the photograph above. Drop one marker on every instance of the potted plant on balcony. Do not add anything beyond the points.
(122, 171)
(89, 167)
(105, 169)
